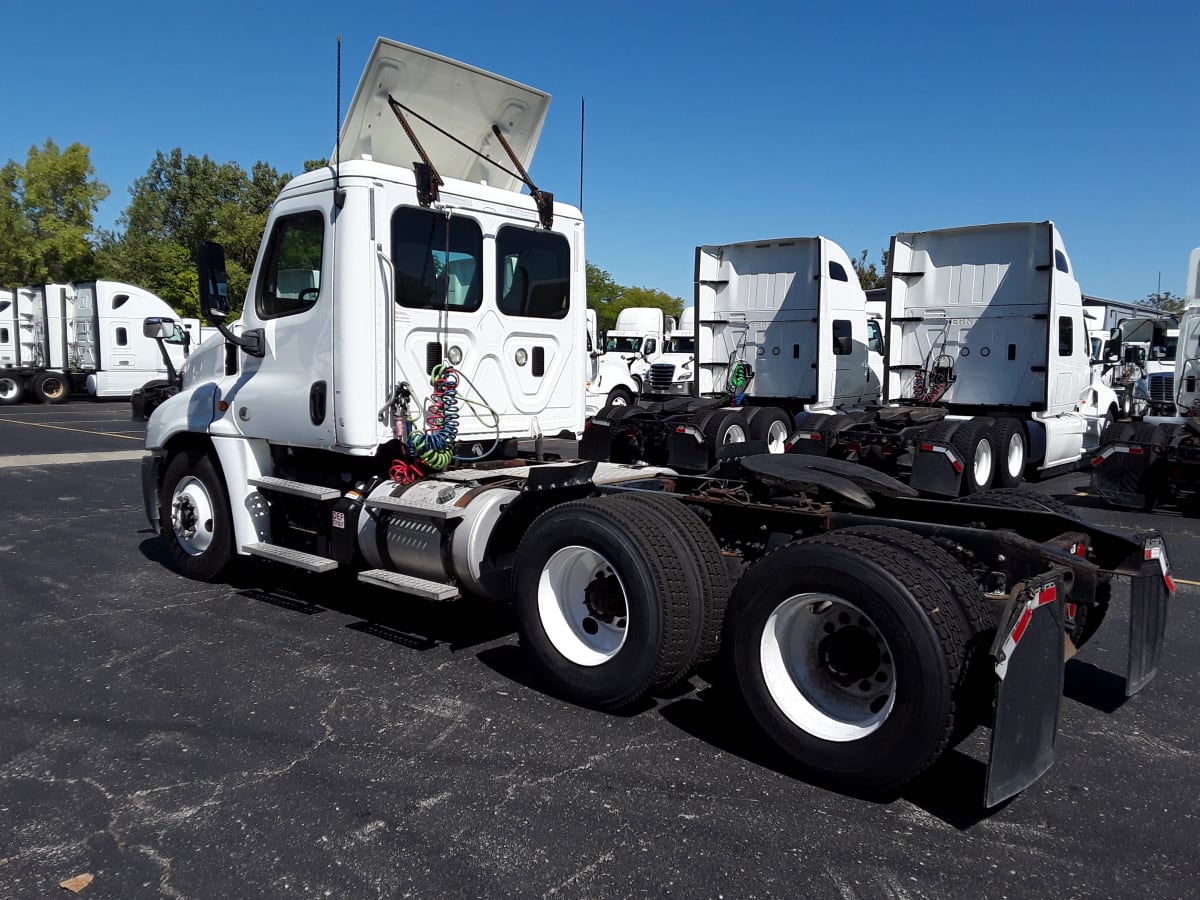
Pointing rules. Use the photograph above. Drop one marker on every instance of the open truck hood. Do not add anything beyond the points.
(460, 99)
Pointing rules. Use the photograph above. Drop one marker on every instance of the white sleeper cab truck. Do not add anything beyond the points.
(87, 337)
(778, 328)
(1156, 461)
(987, 364)
(405, 324)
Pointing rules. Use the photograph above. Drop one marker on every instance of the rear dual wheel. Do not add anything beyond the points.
(848, 656)
(12, 390)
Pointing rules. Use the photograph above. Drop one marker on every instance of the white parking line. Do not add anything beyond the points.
(62, 459)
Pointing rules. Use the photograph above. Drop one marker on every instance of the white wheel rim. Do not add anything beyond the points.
(1016, 455)
(983, 462)
(8, 388)
(583, 606)
(827, 667)
(618, 400)
(192, 517)
(777, 436)
(734, 434)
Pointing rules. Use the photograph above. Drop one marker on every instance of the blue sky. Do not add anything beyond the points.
(706, 122)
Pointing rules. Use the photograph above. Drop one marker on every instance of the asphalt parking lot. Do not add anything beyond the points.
(294, 735)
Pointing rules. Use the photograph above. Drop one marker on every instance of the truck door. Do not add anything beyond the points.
(287, 395)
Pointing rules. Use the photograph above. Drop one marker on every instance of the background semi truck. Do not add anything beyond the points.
(59, 339)
(1143, 464)
(338, 424)
(985, 363)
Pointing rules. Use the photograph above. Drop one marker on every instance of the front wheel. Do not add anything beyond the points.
(847, 658)
(619, 396)
(196, 522)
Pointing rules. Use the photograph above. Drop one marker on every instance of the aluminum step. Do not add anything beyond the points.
(298, 558)
(409, 584)
(295, 488)
(415, 507)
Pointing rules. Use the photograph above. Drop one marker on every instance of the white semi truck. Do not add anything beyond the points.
(1156, 461)
(59, 339)
(985, 360)
(339, 425)
(637, 338)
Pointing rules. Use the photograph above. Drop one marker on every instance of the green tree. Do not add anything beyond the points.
(181, 202)
(869, 276)
(608, 298)
(47, 207)
(1164, 302)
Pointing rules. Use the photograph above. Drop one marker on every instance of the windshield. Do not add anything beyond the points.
(620, 344)
(681, 344)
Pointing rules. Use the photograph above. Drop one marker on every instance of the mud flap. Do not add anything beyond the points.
(596, 443)
(1029, 654)
(1118, 474)
(1149, 591)
(687, 451)
(936, 469)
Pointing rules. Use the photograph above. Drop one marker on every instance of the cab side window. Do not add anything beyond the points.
(290, 282)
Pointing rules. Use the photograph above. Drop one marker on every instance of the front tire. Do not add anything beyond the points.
(847, 659)
(196, 523)
(619, 396)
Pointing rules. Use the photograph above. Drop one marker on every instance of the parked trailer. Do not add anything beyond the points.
(1141, 465)
(866, 629)
(59, 339)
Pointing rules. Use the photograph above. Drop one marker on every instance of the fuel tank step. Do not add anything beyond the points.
(298, 558)
(414, 506)
(295, 488)
(409, 584)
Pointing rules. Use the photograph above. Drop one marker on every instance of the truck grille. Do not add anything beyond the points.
(661, 375)
(1162, 387)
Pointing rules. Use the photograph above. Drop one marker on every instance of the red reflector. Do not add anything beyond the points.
(1048, 595)
(853, 448)
(1137, 451)
(1097, 460)
(927, 447)
(815, 436)
(1022, 624)
(680, 429)
(1149, 554)
(1071, 607)
(1170, 583)
(958, 467)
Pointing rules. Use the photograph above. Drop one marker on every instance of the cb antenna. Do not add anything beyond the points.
(339, 196)
(581, 120)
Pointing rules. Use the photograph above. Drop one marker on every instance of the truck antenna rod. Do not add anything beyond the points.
(339, 196)
(543, 199)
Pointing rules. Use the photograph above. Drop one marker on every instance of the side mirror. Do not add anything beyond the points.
(214, 300)
(649, 347)
(158, 328)
(214, 284)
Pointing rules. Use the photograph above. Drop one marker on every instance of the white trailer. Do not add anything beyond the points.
(348, 421)
(87, 337)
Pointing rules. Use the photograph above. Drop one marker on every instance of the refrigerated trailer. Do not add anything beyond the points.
(365, 418)
(83, 338)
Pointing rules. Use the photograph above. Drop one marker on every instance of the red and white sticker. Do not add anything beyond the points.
(1041, 597)
(1155, 550)
(946, 452)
